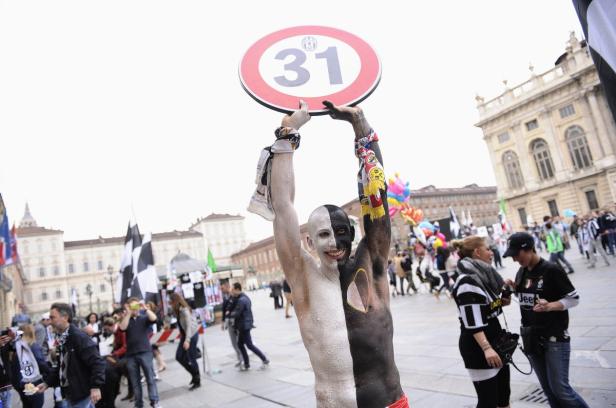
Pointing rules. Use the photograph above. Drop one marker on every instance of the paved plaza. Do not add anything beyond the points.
(425, 340)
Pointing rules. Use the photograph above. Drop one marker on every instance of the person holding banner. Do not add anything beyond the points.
(341, 302)
(186, 353)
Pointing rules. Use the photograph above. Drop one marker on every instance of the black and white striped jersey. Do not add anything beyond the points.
(476, 306)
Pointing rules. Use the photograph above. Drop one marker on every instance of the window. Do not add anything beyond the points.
(553, 208)
(44, 296)
(531, 125)
(103, 287)
(58, 294)
(523, 217)
(56, 270)
(591, 198)
(42, 272)
(543, 159)
(578, 147)
(566, 111)
(71, 268)
(503, 137)
(99, 265)
(512, 169)
(86, 267)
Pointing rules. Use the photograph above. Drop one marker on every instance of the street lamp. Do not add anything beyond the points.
(110, 273)
(89, 293)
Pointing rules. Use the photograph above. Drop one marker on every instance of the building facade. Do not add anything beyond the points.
(52, 267)
(224, 233)
(552, 140)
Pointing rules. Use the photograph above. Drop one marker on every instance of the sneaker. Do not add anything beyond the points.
(591, 266)
(239, 363)
(155, 405)
(244, 368)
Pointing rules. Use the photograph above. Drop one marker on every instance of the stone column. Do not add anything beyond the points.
(590, 128)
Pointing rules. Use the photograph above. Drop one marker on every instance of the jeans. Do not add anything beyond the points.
(245, 340)
(552, 369)
(84, 403)
(6, 397)
(595, 244)
(188, 358)
(611, 240)
(143, 360)
(233, 338)
(555, 257)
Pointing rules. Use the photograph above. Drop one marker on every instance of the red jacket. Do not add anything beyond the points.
(119, 344)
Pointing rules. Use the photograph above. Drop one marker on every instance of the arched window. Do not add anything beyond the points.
(543, 159)
(578, 147)
(512, 169)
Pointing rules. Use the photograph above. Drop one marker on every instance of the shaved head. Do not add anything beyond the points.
(331, 234)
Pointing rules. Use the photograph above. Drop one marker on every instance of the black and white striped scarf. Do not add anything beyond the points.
(61, 339)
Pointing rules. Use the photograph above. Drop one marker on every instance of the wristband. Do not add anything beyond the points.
(289, 134)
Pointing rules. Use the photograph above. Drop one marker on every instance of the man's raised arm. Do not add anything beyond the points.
(372, 189)
(286, 225)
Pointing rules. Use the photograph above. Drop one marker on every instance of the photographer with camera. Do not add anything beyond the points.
(479, 296)
(545, 294)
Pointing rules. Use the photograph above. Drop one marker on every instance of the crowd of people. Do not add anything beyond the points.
(83, 361)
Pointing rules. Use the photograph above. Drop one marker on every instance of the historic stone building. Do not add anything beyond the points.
(52, 267)
(224, 233)
(552, 140)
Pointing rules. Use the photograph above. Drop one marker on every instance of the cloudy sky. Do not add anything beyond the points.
(120, 107)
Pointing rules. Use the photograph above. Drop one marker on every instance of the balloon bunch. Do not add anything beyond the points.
(398, 194)
(435, 237)
(411, 215)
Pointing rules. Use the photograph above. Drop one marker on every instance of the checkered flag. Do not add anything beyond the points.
(137, 271)
(598, 19)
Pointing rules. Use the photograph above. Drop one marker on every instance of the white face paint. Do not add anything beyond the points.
(323, 238)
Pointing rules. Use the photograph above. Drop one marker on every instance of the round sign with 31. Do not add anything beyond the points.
(311, 63)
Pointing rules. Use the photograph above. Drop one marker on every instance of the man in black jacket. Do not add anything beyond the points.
(228, 323)
(242, 313)
(81, 370)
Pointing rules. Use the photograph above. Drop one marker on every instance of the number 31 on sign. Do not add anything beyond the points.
(313, 63)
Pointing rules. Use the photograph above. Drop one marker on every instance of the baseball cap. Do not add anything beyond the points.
(45, 316)
(518, 242)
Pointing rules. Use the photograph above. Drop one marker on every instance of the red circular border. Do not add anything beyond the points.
(365, 83)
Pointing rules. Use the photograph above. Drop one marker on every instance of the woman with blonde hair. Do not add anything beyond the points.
(477, 293)
(186, 353)
(29, 366)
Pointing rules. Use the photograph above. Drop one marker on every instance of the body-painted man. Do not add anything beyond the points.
(341, 301)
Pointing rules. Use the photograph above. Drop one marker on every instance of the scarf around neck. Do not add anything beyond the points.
(488, 276)
(27, 362)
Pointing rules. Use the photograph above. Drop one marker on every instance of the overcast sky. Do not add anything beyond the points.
(108, 106)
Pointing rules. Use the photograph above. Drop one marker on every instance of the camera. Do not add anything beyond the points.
(507, 291)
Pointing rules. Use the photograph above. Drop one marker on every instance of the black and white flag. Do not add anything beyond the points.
(137, 271)
(598, 19)
(454, 225)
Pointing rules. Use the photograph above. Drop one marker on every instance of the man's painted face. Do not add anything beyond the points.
(331, 234)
